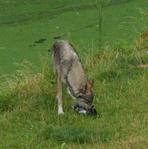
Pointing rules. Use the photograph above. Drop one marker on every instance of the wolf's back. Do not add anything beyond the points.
(62, 51)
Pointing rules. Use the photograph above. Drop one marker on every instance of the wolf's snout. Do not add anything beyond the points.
(92, 111)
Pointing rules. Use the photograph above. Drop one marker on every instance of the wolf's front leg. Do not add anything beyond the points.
(59, 96)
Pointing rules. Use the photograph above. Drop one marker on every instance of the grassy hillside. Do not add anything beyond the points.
(28, 110)
(23, 23)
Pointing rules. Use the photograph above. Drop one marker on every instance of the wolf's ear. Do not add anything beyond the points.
(91, 82)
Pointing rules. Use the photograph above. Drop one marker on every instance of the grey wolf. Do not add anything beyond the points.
(69, 70)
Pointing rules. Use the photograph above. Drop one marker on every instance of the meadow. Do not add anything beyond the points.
(28, 110)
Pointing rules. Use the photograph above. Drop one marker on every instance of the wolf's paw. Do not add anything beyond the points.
(60, 112)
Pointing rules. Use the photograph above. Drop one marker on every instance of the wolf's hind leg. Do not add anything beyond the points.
(59, 96)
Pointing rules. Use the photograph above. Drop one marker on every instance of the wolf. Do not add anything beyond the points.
(69, 71)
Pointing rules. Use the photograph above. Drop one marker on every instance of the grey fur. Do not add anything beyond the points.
(70, 71)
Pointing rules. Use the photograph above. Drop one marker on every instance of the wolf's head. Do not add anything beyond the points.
(86, 92)
(86, 96)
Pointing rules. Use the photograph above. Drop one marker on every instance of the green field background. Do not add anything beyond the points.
(28, 109)
(24, 22)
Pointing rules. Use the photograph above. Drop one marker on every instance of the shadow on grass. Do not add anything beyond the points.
(7, 104)
(72, 134)
(110, 75)
(123, 68)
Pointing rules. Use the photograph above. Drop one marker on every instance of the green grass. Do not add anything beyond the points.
(28, 110)
(22, 24)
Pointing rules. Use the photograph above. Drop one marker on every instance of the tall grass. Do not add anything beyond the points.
(29, 112)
